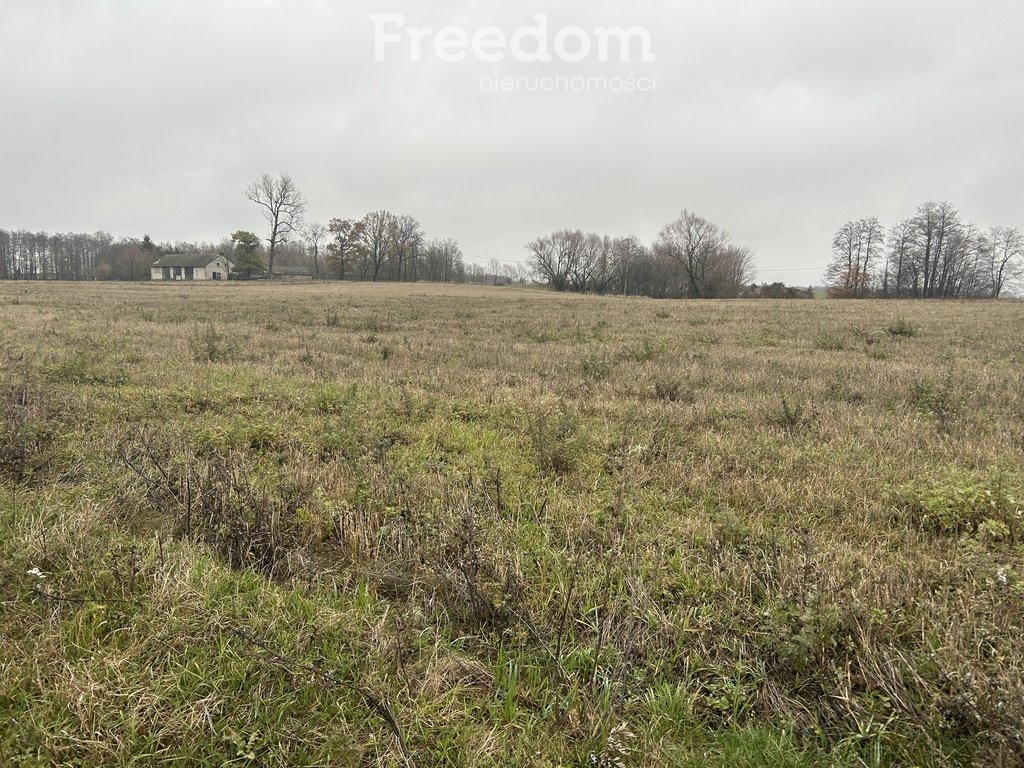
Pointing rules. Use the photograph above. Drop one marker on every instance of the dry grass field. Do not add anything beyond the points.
(439, 525)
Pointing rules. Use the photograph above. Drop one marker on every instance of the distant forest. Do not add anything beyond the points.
(933, 254)
(100, 256)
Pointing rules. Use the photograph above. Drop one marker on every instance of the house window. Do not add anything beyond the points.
(190, 273)
(166, 273)
(177, 273)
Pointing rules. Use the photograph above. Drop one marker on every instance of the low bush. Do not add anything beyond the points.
(210, 346)
(644, 351)
(830, 342)
(28, 422)
(790, 417)
(213, 498)
(671, 391)
(557, 441)
(940, 400)
(988, 505)
(595, 367)
(902, 327)
(91, 366)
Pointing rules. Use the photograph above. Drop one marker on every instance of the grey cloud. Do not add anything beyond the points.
(777, 120)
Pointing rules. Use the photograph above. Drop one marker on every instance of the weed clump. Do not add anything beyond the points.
(90, 367)
(830, 342)
(671, 391)
(644, 351)
(939, 400)
(790, 417)
(988, 506)
(557, 441)
(902, 327)
(214, 498)
(595, 367)
(27, 431)
(210, 346)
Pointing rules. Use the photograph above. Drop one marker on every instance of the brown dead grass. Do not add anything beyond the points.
(605, 496)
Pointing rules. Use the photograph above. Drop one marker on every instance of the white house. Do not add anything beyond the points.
(191, 266)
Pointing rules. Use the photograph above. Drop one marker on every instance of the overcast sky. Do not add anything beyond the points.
(778, 120)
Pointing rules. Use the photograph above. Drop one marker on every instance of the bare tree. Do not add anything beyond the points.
(133, 260)
(442, 260)
(375, 231)
(692, 257)
(1005, 258)
(282, 205)
(900, 276)
(554, 257)
(936, 224)
(516, 273)
(694, 242)
(731, 271)
(711, 266)
(632, 265)
(405, 240)
(315, 235)
(856, 248)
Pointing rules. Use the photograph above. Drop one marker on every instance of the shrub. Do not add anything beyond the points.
(88, 366)
(215, 499)
(790, 417)
(989, 505)
(557, 442)
(644, 351)
(209, 346)
(542, 336)
(671, 391)
(27, 431)
(831, 342)
(669, 705)
(707, 338)
(938, 400)
(902, 327)
(595, 367)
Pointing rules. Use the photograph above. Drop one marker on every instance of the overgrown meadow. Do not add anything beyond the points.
(449, 526)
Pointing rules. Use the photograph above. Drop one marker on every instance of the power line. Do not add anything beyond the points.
(503, 261)
(790, 269)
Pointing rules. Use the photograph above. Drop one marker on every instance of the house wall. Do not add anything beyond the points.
(219, 265)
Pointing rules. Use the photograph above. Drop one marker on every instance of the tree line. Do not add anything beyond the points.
(692, 257)
(75, 256)
(379, 246)
(933, 254)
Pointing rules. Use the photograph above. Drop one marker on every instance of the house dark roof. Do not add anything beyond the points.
(186, 259)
